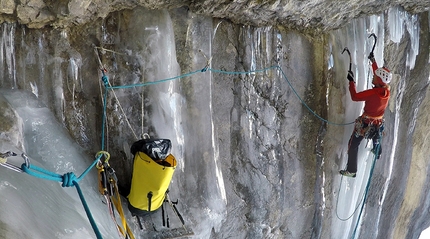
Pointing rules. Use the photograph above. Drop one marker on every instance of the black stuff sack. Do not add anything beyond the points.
(156, 149)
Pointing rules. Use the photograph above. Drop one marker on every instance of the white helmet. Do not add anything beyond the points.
(384, 74)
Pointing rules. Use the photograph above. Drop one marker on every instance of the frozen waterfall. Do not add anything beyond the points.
(215, 197)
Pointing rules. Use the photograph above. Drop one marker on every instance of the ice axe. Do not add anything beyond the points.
(349, 53)
(374, 44)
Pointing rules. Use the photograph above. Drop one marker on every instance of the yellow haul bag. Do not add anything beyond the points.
(150, 181)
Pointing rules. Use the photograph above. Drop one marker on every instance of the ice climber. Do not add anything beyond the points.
(371, 123)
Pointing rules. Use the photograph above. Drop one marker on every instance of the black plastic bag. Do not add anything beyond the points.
(157, 149)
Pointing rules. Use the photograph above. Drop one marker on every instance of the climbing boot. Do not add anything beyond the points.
(347, 174)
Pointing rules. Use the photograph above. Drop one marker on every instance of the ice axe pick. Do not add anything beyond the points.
(350, 59)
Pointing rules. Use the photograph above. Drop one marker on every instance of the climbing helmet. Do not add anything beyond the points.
(384, 74)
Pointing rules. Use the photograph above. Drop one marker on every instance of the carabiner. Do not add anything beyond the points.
(5, 164)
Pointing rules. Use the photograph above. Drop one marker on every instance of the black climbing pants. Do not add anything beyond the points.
(363, 130)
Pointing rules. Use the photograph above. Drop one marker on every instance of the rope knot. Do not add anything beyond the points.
(68, 179)
(105, 80)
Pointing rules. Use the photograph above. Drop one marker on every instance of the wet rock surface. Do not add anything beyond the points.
(253, 161)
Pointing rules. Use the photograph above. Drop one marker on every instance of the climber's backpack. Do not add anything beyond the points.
(153, 169)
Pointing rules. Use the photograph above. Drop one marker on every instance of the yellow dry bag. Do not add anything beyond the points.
(150, 181)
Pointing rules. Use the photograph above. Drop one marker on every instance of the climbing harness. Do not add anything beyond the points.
(367, 127)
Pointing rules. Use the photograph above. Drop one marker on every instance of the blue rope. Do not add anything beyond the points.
(367, 188)
(337, 204)
(105, 80)
(229, 73)
(363, 198)
(153, 82)
(310, 110)
(67, 180)
(243, 72)
(289, 83)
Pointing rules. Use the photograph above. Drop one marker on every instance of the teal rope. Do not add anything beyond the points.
(153, 82)
(337, 204)
(67, 180)
(310, 110)
(363, 198)
(367, 188)
(229, 73)
(105, 80)
(242, 72)
(107, 87)
(289, 83)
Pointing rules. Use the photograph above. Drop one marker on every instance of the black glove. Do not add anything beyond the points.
(350, 76)
(371, 56)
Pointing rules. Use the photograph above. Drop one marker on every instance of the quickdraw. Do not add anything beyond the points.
(109, 189)
(106, 175)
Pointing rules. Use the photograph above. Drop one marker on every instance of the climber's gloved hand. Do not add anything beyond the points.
(371, 57)
(350, 76)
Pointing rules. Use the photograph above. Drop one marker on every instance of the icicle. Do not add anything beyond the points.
(397, 20)
(331, 59)
(412, 25)
(395, 24)
(7, 53)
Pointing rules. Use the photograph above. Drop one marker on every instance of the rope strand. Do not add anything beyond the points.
(231, 73)
(69, 179)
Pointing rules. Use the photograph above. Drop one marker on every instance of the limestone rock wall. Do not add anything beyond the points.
(254, 163)
(315, 14)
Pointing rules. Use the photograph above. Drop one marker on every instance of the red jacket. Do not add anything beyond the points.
(375, 100)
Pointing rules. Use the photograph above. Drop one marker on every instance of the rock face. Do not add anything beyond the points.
(315, 14)
(253, 161)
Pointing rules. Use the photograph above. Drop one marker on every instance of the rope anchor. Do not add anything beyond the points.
(4, 163)
(106, 174)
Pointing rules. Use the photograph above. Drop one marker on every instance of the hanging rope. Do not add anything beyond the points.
(337, 204)
(367, 188)
(362, 197)
(125, 117)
